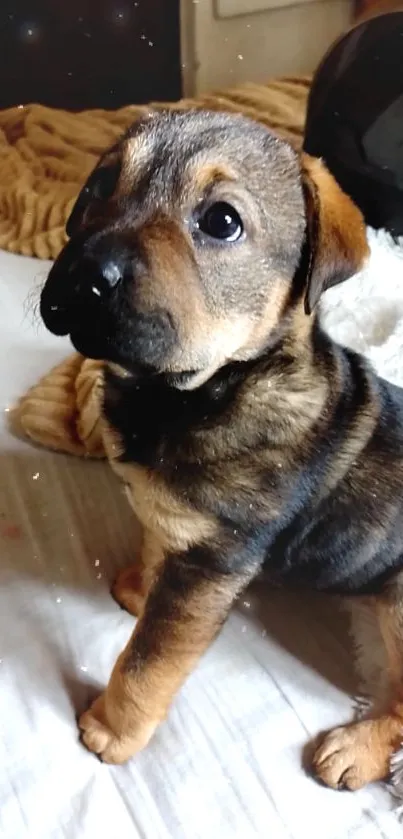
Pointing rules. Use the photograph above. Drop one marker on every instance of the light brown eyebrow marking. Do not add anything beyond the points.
(210, 173)
(136, 154)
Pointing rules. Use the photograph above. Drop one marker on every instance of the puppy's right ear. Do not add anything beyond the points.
(98, 188)
(336, 241)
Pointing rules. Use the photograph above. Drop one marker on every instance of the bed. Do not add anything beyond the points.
(227, 762)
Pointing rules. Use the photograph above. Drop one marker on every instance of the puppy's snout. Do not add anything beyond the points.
(90, 294)
(96, 275)
(153, 338)
(106, 262)
(81, 282)
(111, 272)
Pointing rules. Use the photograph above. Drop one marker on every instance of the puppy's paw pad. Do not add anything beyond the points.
(95, 736)
(100, 739)
(347, 758)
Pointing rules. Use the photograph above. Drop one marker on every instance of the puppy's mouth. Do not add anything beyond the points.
(93, 344)
(101, 347)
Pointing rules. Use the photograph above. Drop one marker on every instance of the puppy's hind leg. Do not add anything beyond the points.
(354, 755)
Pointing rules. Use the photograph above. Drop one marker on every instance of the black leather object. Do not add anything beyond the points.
(355, 118)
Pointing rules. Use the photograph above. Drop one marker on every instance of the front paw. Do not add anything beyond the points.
(99, 737)
(354, 755)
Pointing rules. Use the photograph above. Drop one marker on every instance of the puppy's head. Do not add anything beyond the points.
(192, 241)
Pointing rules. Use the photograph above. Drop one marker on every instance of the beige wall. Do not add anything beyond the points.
(285, 39)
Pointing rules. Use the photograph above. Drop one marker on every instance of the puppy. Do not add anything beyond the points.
(246, 438)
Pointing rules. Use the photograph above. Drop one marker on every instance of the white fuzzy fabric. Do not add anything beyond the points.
(366, 312)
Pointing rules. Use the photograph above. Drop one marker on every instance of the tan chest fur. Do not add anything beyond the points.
(174, 523)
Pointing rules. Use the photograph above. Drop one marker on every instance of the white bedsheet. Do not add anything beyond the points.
(227, 763)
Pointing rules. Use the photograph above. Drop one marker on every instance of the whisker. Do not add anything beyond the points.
(32, 302)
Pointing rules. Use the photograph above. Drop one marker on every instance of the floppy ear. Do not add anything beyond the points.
(335, 231)
(99, 187)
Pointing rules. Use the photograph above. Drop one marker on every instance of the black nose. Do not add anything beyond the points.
(100, 267)
(112, 271)
(95, 275)
(81, 281)
(104, 263)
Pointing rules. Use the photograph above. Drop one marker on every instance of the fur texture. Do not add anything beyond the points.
(246, 438)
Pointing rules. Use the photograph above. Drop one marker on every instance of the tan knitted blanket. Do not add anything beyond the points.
(46, 154)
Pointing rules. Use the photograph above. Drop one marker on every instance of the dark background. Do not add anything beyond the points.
(79, 54)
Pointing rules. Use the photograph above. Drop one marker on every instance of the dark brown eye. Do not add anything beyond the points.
(221, 221)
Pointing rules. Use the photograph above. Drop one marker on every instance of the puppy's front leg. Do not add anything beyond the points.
(184, 611)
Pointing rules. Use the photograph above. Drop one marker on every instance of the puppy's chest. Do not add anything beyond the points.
(143, 441)
(178, 455)
(175, 524)
(153, 423)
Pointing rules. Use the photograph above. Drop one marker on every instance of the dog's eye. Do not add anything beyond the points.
(221, 221)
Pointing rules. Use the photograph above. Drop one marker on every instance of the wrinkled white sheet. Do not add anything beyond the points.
(227, 763)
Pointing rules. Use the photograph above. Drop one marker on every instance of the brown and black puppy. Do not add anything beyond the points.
(247, 439)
